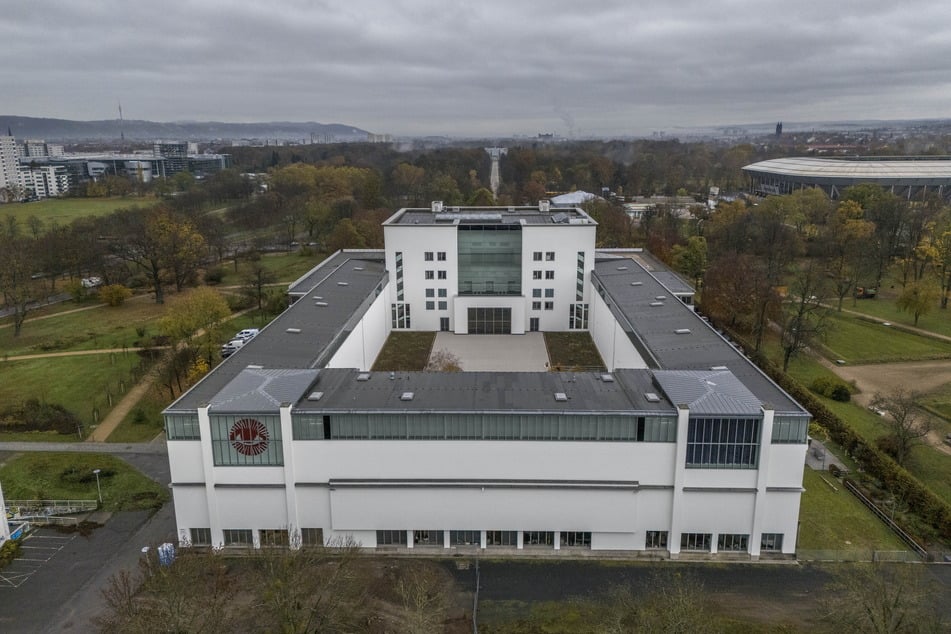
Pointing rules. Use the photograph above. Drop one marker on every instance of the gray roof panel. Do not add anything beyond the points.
(262, 390)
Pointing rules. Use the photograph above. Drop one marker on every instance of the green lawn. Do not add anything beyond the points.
(68, 476)
(406, 351)
(65, 210)
(102, 327)
(884, 308)
(144, 421)
(836, 520)
(858, 341)
(286, 267)
(569, 350)
(81, 384)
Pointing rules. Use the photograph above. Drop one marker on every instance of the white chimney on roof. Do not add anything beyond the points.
(544, 206)
(437, 206)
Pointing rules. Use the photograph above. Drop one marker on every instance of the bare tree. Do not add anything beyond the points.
(882, 598)
(803, 317)
(443, 361)
(423, 590)
(907, 424)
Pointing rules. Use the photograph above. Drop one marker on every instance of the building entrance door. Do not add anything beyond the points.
(490, 321)
(533, 324)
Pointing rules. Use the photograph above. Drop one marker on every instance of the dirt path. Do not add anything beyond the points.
(77, 353)
(71, 311)
(922, 376)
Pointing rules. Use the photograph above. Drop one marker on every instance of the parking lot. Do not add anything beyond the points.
(37, 550)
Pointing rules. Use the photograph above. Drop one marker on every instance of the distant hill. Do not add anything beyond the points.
(135, 130)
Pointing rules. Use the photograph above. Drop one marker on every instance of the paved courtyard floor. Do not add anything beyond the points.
(496, 353)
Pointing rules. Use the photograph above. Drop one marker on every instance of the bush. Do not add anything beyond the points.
(75, 475)
(214, 275)
(35, 416)
(114, 294)
(76, 290)
(834, 471)
(831, 388)
(9, 551)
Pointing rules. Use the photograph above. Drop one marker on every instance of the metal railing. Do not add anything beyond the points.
(905, 537)
(857, 555)
(23, 508)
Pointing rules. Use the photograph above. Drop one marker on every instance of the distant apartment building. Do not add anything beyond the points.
(175, 155)
(44, 181)
(9, 163)
(34, 147)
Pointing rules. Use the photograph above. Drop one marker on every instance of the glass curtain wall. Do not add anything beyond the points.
(490, 259)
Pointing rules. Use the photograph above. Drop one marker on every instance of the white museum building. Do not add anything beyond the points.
(678, 444)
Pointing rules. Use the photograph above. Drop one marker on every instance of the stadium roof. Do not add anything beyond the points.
(865, 169)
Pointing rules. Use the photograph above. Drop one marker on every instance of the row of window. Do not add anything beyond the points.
(537, 274)
(537, 292)
(568, 539)
(431, 292)
(431, 305)
(549, 256)
(655, 540)
(731, 443)
(548, 305)
(484, 426)
(440, 256)
(435, 275)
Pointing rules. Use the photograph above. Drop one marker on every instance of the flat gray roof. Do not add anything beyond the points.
(670, 336)
(305, 335)
(890, 171)
(451, 216)
(525, 392)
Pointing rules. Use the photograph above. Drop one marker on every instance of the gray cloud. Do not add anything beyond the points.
(480, 68)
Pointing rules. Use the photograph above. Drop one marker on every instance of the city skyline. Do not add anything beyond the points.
(480, 69)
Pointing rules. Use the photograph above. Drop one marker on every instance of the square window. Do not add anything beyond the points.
(312, 536)
(536, 292)
(536, 305)
(549, 275)
(441, 256)
(430, 305)
(201, 536)
(549, 305)
(537, 256)
(428, 256)
(430, 275)
(443, 305)
(430, 292)
(549, 256)
(442, 292)
(442, 275)
(549, 292)
(536, 275)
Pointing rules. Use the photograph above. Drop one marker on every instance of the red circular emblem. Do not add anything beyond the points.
(249, 437)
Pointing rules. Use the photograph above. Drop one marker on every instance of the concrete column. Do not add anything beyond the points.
(519, 540)
(713, 543)
(762, 478)
(557, 540)
(680, 466)
(4, 526)
(208, 458)
(483, 540)
(445, 539)
(290, 481)
(409, 539)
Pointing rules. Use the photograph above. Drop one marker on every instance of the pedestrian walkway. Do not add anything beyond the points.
(155, 447)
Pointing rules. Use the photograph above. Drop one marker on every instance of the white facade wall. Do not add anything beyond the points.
(565, 241)
(414, 242)
(613, 344)
(361, 348)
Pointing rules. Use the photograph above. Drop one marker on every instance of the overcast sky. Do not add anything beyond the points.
(478, 68)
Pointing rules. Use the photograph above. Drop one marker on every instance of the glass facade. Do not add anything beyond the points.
(490, 259)
(723, 443)
(790, 429)
(490, 321)
(485, 426)
(246, 440)
(182, 427)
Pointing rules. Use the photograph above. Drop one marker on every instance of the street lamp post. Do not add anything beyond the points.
(98, 488)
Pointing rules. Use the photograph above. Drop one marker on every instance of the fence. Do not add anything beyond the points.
(45, 508)
(895, 528)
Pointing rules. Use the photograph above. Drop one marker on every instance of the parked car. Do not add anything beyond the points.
(231, 347)
(246, 334)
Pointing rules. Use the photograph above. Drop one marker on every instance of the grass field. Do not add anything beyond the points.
(68, 476)
(144, 422)
(98, 328)
(858, 342)
(286, 267)
(836, 520)
(884, 308)
(81, 384)
(65, 210)
(572, 350)
(407, 351)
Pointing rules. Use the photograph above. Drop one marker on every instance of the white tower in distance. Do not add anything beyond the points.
(495, 153)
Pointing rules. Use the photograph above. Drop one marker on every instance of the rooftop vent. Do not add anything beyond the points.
(315, 396)
(293, 331)
(456, 209)
(661, 297)
(561, 396)
(637, 283)
(622, 268)
(254, 367)
(682, 331)
(363, 376)
(406, 396)
(657, 303)
(651, 397)
(544, 205)
(358, 268)
(719, 367)
(607, 378)
(318, 297)
(321, 304)
(437, 206)
(343, 283)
